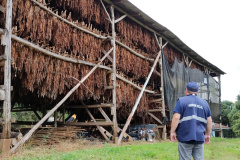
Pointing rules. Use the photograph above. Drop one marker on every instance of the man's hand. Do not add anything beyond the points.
(175, 121)
(207, 139)
(173, 137)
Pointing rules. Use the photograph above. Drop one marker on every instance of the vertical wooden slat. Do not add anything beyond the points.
(6, 133)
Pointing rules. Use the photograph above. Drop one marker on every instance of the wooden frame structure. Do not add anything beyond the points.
(7, 36)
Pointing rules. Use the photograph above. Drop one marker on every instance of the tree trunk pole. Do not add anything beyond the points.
(6, 40)
(114, 108)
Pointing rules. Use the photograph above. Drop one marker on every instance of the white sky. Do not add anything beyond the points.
(210, 27)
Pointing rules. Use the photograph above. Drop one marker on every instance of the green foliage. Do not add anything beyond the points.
(237, 103)
(218, 149)
(234, 117)
(226, 107)
(24, 116)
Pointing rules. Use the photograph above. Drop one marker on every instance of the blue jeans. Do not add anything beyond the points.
(186, 151)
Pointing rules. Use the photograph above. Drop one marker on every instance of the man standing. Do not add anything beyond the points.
(191, 124)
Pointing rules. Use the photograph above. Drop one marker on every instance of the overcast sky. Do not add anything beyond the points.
(210, 27)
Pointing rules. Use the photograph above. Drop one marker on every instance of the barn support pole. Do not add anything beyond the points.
(139, 98)
(114, 108)
(161, 46)
(55, 119)
(220, 94)
(208, 88)
(28, 135)
(6, 41)
(164, 134)
(113, 75)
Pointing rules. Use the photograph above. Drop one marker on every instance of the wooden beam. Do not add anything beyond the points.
(30, 123)
(107, 105)
(161, 126)
(104, 115)
(2, 31)
(109, 57)
(139, 97)
(157, 73)
(2, 9)
(36, 114)
(66, 21)
(49, 53)
(119, 129)
(155, 110)
(109, 18)
(121, 18)
(134, 85)
(99, 128)
(90, 124)
(155, 118)
(164, 45)
(134, 52)
(155, 100)
(3, 57)
(28, 135)
(22, 110)
(108, 87)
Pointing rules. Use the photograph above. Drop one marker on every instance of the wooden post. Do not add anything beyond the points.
(139, 98)
(208, 89)
(113, 42)
(63, 115)
(28, 135)
(219, 81)
(164, 134)
(55, 119)
(6, 40)
(160, 44)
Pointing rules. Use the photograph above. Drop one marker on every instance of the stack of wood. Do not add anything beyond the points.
(49, 136)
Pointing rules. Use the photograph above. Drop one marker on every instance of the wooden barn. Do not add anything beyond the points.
(105, 61)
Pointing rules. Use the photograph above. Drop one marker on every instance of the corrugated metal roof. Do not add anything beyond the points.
(143, 19)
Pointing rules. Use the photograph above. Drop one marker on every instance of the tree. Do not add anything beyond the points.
(226, 108)
(234, 117)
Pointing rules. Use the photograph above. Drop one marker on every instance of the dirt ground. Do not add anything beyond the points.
(67, 146)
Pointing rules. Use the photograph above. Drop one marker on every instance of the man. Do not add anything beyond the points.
(191, 124)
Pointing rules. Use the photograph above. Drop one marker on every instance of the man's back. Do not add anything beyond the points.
(194, 112)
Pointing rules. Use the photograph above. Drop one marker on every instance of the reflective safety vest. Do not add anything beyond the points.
(194, 112)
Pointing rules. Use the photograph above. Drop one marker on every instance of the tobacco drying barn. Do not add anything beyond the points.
(105, 61)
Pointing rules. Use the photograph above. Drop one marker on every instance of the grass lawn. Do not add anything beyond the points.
(218, 149)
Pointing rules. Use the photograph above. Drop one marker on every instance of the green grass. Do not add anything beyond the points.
(218, 149)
